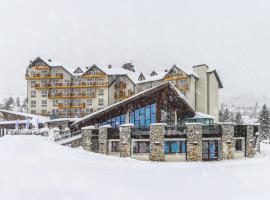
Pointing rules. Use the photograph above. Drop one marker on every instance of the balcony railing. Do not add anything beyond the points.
(62, 106)
(211, 130)
(120, 85)
(95, 75)
(171, 77)
(42, 67)
(79, 85)
(122, 96)
(43, 76)
(70, 96)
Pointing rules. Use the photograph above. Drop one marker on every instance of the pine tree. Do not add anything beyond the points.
(18, 102)
(221, 116)
(264, 120)
(8, 103)
(226, 116)
(238, 118)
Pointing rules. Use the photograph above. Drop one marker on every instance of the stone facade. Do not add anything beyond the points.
(103, 139)
(157, 132)
(125, 140)
(227, 139)
(250, 142)
(194, 142)
(86, 137)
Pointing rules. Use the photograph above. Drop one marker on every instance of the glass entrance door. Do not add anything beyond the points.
(210, 150)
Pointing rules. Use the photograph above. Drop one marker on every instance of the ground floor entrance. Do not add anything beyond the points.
(209, 150)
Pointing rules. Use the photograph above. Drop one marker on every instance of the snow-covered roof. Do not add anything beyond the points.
(199, 115)
(27, 115)
(62, 120)
(181, 95)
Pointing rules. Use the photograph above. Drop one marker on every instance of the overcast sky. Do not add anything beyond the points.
(230, 36)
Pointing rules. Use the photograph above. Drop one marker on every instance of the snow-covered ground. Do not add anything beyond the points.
(31, 167)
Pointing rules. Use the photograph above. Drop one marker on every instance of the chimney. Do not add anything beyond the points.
(109, 66)
(166, 70)
(49, 60)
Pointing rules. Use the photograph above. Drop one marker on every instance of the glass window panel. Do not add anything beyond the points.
(153, 108)
(175, 147)
(166, 148)
(153, 118)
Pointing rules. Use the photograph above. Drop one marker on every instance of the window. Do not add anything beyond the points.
(33, 93)
(115, 147)
(44, 103)
(55, 102)
(33, 112)
(100, 102)
(115, 121)
(89, 102)
(33, 83)
(171, 147)
(141, 147)
(144, 116)
(44, 93)
(238, 144)
(33, 103)
(100, 92)
(44, 112)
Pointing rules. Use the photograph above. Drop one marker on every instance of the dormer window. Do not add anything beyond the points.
(141, 77)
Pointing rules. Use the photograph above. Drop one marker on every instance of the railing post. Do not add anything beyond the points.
(250, 141)
(157, 132)
(86, 137)
(194, 141)
(227, 138)
(103, 139)
(125, 140)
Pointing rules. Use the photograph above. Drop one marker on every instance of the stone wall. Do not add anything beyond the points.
(157, 132)
(103, 139)
(227, 139)
(86, 137)
(194, 142)
(125, 140)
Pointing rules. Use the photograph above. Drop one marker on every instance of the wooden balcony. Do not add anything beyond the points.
(46, 76)
(81, 85)
(183, 87)
(122, 96)
(71, 96)
(120, 85)
(172, 77)
(41, 86)
(95, 75)
(41, 67)
(62, 106)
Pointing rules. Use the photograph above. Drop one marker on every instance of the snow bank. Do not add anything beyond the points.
(32, 167)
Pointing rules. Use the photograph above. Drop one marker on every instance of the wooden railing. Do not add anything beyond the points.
(44, 76)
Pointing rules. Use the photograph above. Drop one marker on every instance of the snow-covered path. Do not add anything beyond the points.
(31, 167)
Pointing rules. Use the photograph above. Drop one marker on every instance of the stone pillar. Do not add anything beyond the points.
(250, 141)
(194, 141)
(227, 138)
(86, 137)
(125, 140)
(103, 139)
(157, 132)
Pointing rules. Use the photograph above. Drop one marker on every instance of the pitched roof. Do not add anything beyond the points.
(137, 96)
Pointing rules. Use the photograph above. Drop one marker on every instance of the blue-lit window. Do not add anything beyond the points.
(171, 147)
(115, 122)
(144, 116)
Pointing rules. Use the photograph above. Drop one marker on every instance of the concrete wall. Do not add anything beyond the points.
(201, 88)
(213, 96)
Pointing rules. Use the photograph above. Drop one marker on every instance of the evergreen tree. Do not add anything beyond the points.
(18, 102)
(221, 115)
(8, 103)
(238, 118)
(226, 116)
(264, 120)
